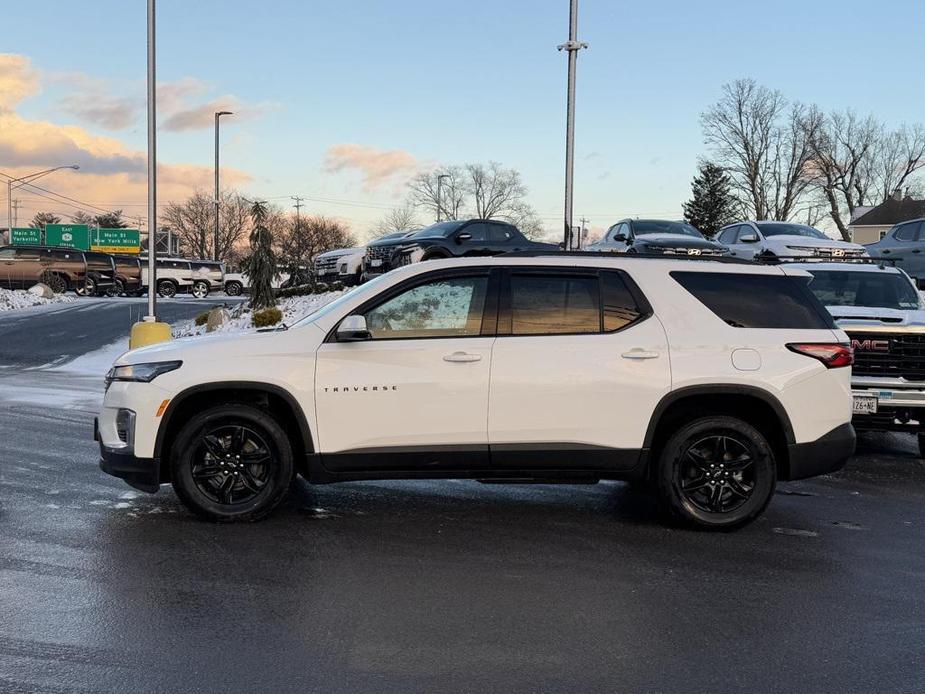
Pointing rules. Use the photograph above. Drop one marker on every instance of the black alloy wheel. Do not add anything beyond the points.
(166, 289)
(231, 464)
(717, 474)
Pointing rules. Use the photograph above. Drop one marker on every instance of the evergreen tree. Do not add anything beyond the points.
(110, 220)
(42, 218)
(260, 265)
(713, 205)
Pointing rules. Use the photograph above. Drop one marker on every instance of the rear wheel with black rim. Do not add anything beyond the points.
(166, 289)
(232, 463)
(233, 288)
(716, 473)
(118, 288)
(54, 282)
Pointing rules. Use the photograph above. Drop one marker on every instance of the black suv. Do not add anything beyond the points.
(453, 239)
(657, 236)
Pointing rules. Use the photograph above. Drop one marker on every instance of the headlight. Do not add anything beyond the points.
(141, 373)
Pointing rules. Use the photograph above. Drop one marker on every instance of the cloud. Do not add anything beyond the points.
(377, 167)
(18, 80)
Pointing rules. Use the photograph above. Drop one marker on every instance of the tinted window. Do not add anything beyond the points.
(657, 226)
(620, 308)
(479, 232)
(6, 253)
(26, 254)
(757, 301)
(880, 289)
(545, 305)
(500, 233)
(907, 232)
(449, 307)
(791, 230)
(729, 235)
(439, 229)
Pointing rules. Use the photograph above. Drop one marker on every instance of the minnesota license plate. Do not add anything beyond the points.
(864, 404)
(375, 262)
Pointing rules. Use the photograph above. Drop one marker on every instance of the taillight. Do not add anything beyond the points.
(832, 354)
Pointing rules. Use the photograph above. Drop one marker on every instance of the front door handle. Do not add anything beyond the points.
(885, 251)
(640, 354)
(917, 251)
(462, 357)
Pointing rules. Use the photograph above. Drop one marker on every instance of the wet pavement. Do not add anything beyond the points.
(451, 585)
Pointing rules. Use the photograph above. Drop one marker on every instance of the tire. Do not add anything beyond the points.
(200, 289)
(88, 289)
(685, 480)
(233, 288)
(166, 289)
(435, 255)
(231, 490)
(118, 288)
(54, 282)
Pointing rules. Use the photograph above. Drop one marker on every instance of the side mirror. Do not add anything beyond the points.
(353, 329)
(748, 238)
(465, 236)
(621, 237)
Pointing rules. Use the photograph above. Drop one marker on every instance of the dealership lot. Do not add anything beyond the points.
(421, 586)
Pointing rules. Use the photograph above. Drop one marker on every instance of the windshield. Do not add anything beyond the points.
(439, 229)
(791, 230)
(340, 301)
(858, 288)
(654, 226)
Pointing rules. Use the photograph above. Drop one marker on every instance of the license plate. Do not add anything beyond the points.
(864, 404)
(375, 262)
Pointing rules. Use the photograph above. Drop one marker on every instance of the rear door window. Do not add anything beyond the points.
(757, 301)
(908, 232)
(550, 305)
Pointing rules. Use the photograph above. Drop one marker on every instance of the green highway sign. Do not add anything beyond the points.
(116, 240)
(68, 235)
(26, 237)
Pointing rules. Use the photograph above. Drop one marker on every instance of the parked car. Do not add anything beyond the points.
(128, 275)
(174, 276)
(342, 264)
(880, 309)
(784, 240)
(601, 367)
(904, 243)
(62, 269)
(656, 236)
(454, 239)
(207, 275)
(236, 283)
(372, 263)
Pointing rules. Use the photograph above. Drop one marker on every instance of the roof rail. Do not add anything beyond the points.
(640, 256)
(862, 260)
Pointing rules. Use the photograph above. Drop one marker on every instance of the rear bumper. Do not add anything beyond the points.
(140, 473)
(828, 453)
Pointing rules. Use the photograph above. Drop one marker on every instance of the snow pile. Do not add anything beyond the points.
(10, 300)
(293, 309)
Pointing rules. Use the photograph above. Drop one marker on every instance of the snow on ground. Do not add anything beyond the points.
(11, 300)
(293, 309)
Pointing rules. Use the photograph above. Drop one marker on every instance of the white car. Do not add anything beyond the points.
(881, 310)
(542, 367)
(784, 240)
(236, 283)
(342, 264)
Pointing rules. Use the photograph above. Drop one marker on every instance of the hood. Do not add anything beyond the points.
(868, 316)
(338, 252)
(676, 241)
(808, 242)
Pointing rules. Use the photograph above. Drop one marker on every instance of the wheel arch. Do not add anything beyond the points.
(273, 398)
(756, 406)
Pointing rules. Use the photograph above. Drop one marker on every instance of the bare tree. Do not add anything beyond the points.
(402, 218)
(423, 192)
(897, 157)
(761, 140)
(193, 223)
(314, 234)
(495, 191)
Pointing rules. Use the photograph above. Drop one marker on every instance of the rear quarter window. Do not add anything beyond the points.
(757, 301)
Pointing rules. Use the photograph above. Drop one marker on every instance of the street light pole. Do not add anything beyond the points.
(572, 46)
(218, 114)
(152, 167)
(440, 194)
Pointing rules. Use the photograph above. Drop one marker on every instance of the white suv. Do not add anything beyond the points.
(559, 368)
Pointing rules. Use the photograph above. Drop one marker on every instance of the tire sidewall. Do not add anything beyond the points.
(186, 445)
(233, 289)
(172, 291)
(668, 477)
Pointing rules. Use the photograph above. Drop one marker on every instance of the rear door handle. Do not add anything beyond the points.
(917, 251)
(462, 357)
(640, 354)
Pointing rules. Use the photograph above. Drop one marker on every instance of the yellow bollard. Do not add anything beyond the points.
(148, 333)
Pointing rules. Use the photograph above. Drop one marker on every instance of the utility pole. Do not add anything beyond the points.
(581, 233)
(440, 194)
(16, 205)
(572, 46)
(298, 209)
(218, 199)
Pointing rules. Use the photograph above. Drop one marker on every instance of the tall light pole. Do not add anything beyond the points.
(572, 46)
(23, 180)
(152, 167)
(440, 194)
(218, 114)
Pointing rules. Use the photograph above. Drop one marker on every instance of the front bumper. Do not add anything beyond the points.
(141, 473)
(828, 453)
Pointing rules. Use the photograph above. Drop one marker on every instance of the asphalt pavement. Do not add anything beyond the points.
(452, 586)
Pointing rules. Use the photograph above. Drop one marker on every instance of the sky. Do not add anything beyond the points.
(343, 102)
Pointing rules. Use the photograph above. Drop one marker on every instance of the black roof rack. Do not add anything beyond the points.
(862, 260)
(641, 256)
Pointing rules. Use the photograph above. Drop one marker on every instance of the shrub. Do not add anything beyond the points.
(322, 287)
(301, 290)
(202, 318)
(337, 286)
(266, 317)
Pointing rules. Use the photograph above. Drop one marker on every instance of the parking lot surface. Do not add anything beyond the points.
(450, 586)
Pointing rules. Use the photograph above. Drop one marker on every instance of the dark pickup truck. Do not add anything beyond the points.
(453, 239)
(61, 269)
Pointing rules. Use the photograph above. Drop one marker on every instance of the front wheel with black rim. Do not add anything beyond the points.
(232, 463)
(118, 288)
(716, 473)
(233, 288)
(166, 289)
(55, 282)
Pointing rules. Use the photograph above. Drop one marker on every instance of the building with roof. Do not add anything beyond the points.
(873, 223)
